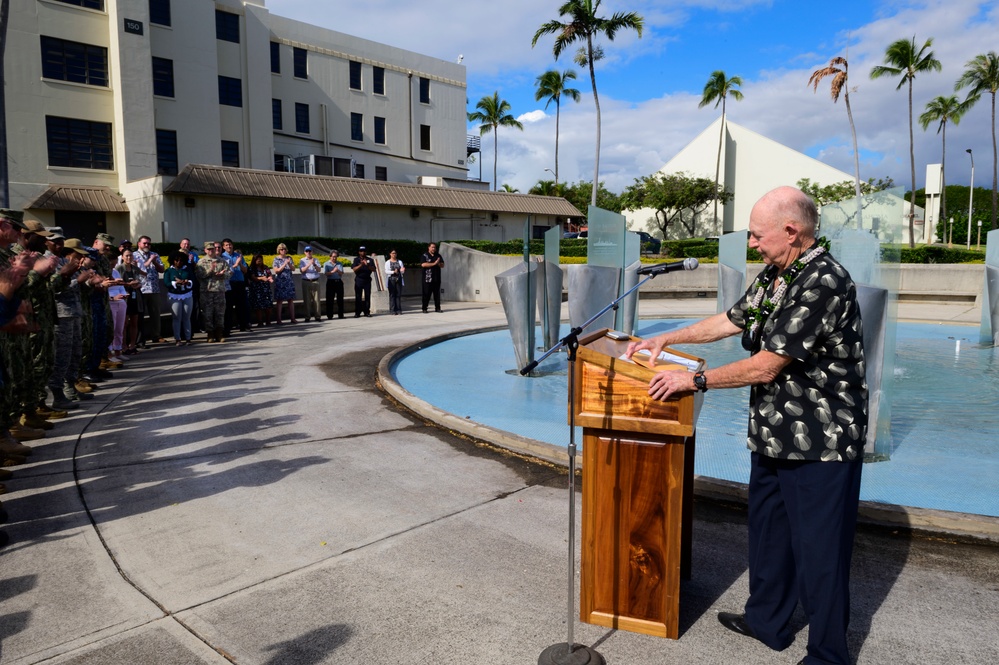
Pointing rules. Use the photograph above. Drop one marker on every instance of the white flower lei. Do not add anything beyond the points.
(759, 309)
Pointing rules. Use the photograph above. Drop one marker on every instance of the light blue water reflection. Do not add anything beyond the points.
(944, 418)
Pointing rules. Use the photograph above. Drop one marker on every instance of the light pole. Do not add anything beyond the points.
(971, 194)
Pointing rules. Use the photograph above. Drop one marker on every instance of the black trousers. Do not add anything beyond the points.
(362, 297)
(802, 518)
(334, 294)
(432, 289)
(395, 294)
(237, 307)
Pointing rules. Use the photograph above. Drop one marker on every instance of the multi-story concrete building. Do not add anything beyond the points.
(109, 100)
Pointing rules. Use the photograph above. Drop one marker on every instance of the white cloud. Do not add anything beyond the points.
(532, 116)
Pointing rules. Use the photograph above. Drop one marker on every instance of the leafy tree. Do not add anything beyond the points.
(509, 189)
(716, 90)
(903, 59)
(981, 74)
(553, 85)
(675, 198)
(494, 112)
(941, 109)
(838, 69)
(580, 195)
(841, 191)
(581, 24)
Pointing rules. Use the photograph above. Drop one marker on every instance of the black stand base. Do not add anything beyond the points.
(559, 654)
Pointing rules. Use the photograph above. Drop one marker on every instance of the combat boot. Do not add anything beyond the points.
(62, 405)
(72, 394)
(23, 433)
(83, 386)
(31, 419)
(11, 460)
(13, 449)
(50, 414)
(5, 474)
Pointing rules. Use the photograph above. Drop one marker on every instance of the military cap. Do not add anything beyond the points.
(36, 227)
(209, 244)
(106, 238)
(15, 217)
(75, 245)
(55, 232)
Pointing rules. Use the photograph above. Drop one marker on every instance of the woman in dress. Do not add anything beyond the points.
(180, 292)
(284, 287)
(261, 300)
(131, 277)
(394, 270)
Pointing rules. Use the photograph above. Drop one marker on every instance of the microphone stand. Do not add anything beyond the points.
(569, 653)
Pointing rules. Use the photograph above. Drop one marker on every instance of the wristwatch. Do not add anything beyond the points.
(701, 382)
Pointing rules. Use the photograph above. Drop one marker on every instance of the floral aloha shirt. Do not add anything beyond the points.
(816, 408)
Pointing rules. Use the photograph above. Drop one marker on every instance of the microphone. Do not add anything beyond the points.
(662, 268)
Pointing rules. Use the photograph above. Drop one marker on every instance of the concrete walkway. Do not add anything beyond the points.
(262, 501)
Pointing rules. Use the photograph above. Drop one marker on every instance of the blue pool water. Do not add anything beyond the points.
(945, 413)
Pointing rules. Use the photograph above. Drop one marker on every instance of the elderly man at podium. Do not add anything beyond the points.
(800, 321)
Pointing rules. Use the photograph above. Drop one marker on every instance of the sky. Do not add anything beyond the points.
(650, 86)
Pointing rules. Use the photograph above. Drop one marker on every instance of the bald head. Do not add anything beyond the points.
(789, 205)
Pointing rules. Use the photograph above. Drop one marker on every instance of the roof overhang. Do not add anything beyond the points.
(78, 197)
(227, 181)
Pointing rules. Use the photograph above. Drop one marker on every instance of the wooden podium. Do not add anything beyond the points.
(638, 472)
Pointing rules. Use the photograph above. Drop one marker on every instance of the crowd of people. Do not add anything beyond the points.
(71, 314)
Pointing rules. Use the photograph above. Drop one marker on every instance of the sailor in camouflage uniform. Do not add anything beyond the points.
(15, 344)
(213, 271)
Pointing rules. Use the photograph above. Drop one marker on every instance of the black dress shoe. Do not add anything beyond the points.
(736, 623)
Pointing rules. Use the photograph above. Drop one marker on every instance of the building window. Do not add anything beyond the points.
(379, 130)
(64, 60)
(381, 173)
(358, 170)
(356, 127)
(424, 90)
(163, 77)
(230, 153)
(341, 167)
(378, 80)
(89, 4)
(301, 118)
(279, 162)
(79, 143)
(230, 91)
(159, 12)
(301, 57)
(424, 137)
(275, 58)
(277, 120)
(355, 75)
(226, 26)
(166, 152)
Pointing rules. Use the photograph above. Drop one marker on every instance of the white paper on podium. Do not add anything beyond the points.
(668, 357)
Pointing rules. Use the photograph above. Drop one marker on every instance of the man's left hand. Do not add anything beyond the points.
(665, 384)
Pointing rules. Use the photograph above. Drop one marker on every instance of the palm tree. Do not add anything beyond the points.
(902, 59)
(492, 113)
(509, 189)
(838, 85)
(4, 173)
(553, 85)
(716, 90)
(581, 26)
(941, 109)
(981, 73)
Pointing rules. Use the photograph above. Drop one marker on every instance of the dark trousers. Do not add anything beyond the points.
(432, 289)
(152, 328)
(802, 518)
(237, 309)
(395, 295)
(362, 296)
(334, 294)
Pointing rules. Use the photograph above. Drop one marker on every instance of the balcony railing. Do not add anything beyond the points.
(473, 144)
